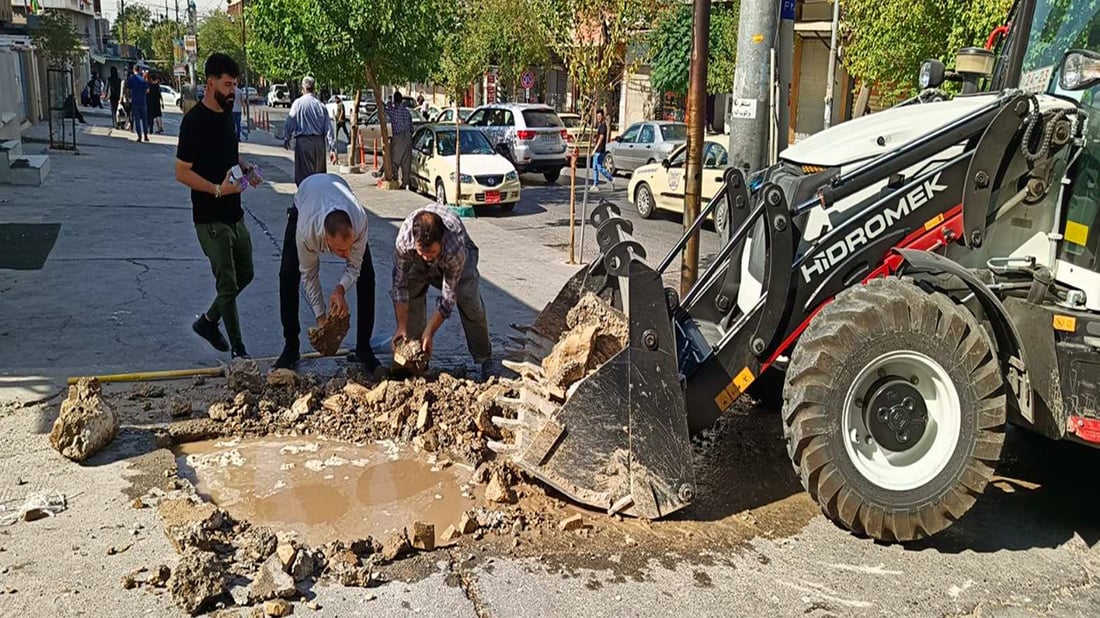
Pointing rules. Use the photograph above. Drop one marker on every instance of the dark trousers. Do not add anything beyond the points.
(470, 306)
(290, 276)
(229, 249)
(343, 126)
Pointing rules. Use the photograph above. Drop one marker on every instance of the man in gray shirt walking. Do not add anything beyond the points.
(310, 127)
(326, 218)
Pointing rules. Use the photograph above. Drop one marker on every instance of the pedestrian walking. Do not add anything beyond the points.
(206, 154)
(137, 87)
(342, 120)
(155, 104)
(114, 94)
(326, 218)
(434, 250)
(601, 152)
(238, 103)
(101, 88)
(310, 127)
(400, 140)
(93, 91)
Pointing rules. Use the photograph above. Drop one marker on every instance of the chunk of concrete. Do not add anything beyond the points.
(86, 423)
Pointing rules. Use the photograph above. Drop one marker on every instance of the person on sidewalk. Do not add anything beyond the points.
(400, 140)
(114, 91)
(155, 104)
(207, 152)
(310, 127)
(136, 86)
(601, 152)
(433, 249)
(342, 120)
(238, 109)
(326, 218)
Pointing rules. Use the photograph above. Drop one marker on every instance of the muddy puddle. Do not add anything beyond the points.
(323, 490)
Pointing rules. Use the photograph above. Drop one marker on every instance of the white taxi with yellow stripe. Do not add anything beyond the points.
(661, 185)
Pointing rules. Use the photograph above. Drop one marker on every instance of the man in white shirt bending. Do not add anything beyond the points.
(326, 218)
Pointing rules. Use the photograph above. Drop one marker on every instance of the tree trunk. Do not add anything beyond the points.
(458, 157)
(383, 125)
(353, 156)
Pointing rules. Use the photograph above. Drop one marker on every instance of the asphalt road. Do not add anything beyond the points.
(125, 277)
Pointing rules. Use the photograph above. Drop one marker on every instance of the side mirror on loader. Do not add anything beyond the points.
(1080, 70)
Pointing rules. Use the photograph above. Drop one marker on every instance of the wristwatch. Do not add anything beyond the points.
(217, 191)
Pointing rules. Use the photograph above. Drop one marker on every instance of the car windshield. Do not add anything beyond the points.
(571, 122)
(673, 132)
(541, 118)
(473, 142)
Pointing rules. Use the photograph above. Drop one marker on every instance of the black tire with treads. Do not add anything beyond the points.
(860, 325)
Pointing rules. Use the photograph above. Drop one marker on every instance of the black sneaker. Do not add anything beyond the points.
(289, 358)
(370, 363)
(210, 332)
(241, 353)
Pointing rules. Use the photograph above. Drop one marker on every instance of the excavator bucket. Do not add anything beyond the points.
(600, 414)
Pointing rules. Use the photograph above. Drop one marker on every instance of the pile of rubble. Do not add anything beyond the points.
(435, 413)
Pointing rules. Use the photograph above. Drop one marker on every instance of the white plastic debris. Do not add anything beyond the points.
(37, 506)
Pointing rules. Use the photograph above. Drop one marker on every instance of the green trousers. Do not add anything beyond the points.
(229, 249)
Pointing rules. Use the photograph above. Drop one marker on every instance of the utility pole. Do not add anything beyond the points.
(749, 118)
(785, 60)
(696, 118)
(832, 65)
(121, 14)
(191, 26)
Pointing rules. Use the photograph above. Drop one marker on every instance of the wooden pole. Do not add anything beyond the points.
(573, 205)
(696, 117)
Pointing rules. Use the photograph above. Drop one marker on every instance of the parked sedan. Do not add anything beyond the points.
(644, 143)
(660, 186)
(169, 97)
(487, 178)
(447, 115)
(580, 135)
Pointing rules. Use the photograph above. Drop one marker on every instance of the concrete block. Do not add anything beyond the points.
(9, 151)
(30, 170)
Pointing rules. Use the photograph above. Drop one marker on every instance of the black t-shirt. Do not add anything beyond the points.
(114, 87)
(208, 140)
(601, 131)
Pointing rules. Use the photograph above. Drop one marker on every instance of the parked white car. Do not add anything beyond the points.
(488, 179)
(169, 97)
(279, 95)
(661, 186)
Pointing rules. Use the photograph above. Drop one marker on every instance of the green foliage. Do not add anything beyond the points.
(162, 35)
(218, 32)
(670, 45)
(57, 37)
(513, 32)
(593, 36)
(464, 48)
(888, 39)
(138, 28)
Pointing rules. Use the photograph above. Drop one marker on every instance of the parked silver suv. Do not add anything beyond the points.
(532, 137)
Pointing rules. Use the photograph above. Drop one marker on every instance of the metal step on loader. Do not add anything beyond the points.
(903, 308)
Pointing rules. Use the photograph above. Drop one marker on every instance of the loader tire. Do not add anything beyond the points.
(894, 410)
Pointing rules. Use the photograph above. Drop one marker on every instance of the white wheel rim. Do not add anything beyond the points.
(440, 195)
(917, 465)
(644, 200)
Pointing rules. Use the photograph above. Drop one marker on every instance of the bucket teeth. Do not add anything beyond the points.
(502, 448)
(525, 369)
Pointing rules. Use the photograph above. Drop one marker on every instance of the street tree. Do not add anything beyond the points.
(163, 35)
(350, 42)
(600, 41)
(218, 33)
(514, 33)
(136, 22)
(56, 36)
(463, 59)
(670, 48)
(888, 39)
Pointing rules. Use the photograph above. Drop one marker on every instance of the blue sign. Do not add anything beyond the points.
(787, 10)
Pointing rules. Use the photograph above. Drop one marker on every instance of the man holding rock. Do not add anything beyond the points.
(433, 249)
(326, 218)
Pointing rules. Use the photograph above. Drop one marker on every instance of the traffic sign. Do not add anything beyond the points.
(528, 79)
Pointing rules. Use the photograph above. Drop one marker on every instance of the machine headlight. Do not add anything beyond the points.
(511, 176)
(463, 178)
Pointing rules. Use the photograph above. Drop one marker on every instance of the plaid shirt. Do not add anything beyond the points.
(400, 119)
(449, 265)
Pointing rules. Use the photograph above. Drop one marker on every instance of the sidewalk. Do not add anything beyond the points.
(126, 276)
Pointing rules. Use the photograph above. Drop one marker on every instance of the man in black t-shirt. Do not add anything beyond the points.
(207, 151)
(601, 152)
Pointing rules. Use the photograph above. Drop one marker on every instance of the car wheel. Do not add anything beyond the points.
(609, 164)
(440, 193)
(508, 207)
(651, 161)
(552, 177)
(643, 201)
